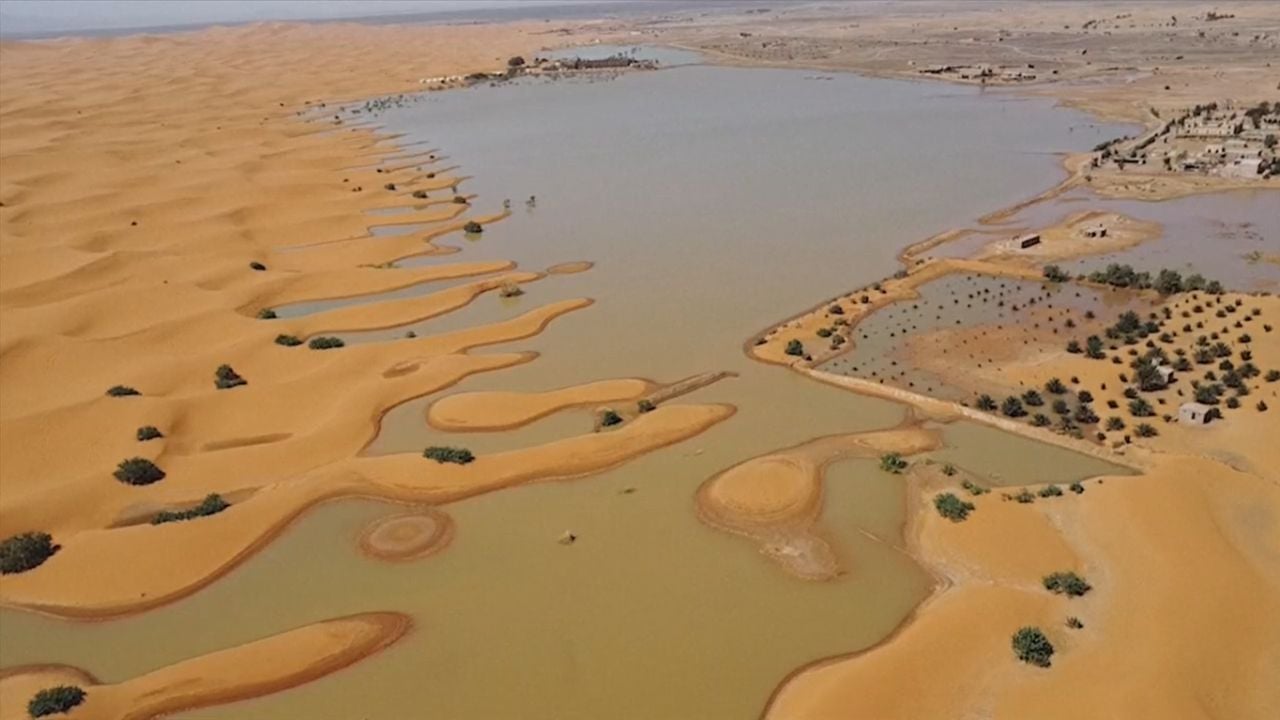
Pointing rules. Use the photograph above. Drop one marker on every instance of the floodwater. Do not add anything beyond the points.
(714, 202)
(967, 301)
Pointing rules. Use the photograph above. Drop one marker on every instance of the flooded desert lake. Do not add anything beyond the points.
(714, 202)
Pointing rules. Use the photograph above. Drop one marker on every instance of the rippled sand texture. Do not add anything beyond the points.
(142, 177)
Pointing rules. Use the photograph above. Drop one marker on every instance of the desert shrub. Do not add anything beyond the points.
(1272, 375)
(1066, 583)
(951, 507)
(1114, 423)
(1084, 396)
(211, 505)
(1141, 408)
(138, 471)
(459, 200)
(149, 432)
(795, 347)
(266, 314)
(325, 342)
(949, 470)
(893, 462)
(1085, 415)
(420, 194)
(824, 332)
(645, 405)
(1146, 430)
(1031, 646)
(1053, 273)
(1040, 420)
(1074, 623)
(986, 402)
(472, 227)
(26, 551)
(1073, 347)
(609, 418)
(389, 186)
(1061, 407)
(836, 310)
(1076, 488)
(1050, 491)
(55, 700)
(257, 266)
(121, 391)
(444, 454)
(288, 340)
(224, 378)
(974, 488)
(1055, 386)
(1032, 398)
(1025, 497)
(515, 61)
(1233, 403)
(1262, 406)
(1012, 407)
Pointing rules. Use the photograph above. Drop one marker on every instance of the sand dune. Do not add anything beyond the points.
(257, 668)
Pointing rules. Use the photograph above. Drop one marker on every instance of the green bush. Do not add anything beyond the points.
(1114, 423)
(325, 342)
(986, 403)
(1146, 430)
(1032, 398)
(1066, 583)
(949, 470)
(974, 488)
(443, 454)
(824, 332)
(472, 228)
(1055, 386)
(1141, 408)
(1025, 497)
(795, 347)
(55, 700)
(1076, 488)
(288, 340)
(610, 418)
(1012, 407)
(893, 462)
(24, 552)
(951, 507)
(224, 378)
(149, 432)
(1031, 646)
(121, 391)
(211, 505)
(266, 314)
(1040, 420)
(1050, 491)
(138, 471)
(1053, 273)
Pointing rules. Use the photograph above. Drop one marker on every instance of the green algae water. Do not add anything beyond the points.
(714, 202)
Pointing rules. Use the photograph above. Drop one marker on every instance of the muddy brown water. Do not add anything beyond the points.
(714, 202)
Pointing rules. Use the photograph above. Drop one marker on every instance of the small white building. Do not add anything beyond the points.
(1193, 413)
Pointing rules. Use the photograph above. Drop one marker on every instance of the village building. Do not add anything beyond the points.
(1194, 413)
(1096, 231)
(1028, 240)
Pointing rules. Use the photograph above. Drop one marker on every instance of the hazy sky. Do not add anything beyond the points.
(19, 16)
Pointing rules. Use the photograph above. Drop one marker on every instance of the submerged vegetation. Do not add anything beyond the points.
(211, 505)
